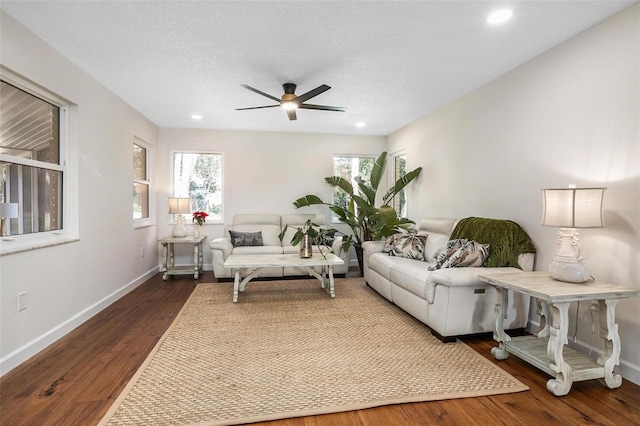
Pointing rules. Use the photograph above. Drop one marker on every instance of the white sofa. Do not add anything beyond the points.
(451, 301)
(270, 225)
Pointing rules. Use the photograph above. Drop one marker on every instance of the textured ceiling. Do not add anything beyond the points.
(387, 62)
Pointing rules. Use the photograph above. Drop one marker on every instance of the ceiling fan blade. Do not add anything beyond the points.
(258, 107)
(310, 94)
(292, 114)
(260, 93)
(322, 107)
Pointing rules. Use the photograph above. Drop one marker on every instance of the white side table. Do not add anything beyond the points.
(168, 259)
(546, 348)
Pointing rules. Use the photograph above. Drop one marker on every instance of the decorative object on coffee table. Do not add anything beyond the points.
(179, 206)
(571, 208)
(308, 234)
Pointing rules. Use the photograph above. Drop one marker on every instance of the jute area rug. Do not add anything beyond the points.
(286, 349)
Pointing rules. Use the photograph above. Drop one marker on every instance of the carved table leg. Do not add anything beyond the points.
(499, 335)
(542, 309)
(248, 278)
(165, 255)
(557, 339)
(196, 260)
(609, 333)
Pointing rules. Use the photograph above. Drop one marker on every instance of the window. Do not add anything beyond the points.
(32, 171)
(141, 183)
(399, 202)
(349, 168)
(199, 177)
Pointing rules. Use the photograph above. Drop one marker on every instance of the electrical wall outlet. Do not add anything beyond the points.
(141, 251)
(22, 301)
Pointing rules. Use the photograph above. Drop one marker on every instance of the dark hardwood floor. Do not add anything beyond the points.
(74, 381)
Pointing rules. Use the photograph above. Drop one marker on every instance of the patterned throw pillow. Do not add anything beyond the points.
(243, 239)
(460, 253)
(410, 246)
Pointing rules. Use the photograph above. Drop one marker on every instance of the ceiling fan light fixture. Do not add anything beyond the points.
(289, 105)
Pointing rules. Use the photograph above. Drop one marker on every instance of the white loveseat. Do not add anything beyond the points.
(270, 226)
(451, 301)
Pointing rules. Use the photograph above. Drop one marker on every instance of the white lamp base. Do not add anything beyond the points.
(179, 228)
(568, 265)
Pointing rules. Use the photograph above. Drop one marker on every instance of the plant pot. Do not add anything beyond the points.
(358, 249)
(306, 247)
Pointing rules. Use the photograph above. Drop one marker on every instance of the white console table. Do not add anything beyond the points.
(168, 258)
(546, 348)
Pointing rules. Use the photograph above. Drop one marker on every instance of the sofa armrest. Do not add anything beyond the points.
(370, 247)
(464, 277)
(222, 244)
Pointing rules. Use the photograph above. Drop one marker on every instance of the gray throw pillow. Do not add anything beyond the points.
(243, 239)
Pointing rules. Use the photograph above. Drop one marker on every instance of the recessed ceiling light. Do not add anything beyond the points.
(361, 124)
(196, 117)
(500, 16)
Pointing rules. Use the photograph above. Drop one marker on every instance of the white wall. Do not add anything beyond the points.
(69, 283)
(264, 172)
(571, 115)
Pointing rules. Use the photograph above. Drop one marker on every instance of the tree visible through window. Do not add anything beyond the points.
(199, 177)
(399, 170)
(140, 182)
(349, 168)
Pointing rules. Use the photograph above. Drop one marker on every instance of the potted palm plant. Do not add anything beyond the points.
(367, 221)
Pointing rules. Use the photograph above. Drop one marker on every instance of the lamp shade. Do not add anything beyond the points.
(179, 205)
(8, 210)
(573, 207)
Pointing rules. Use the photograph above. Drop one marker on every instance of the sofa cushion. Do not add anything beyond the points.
(381, 263)
(412, 276)
(410, 246)
(242, 239)
(257, 250)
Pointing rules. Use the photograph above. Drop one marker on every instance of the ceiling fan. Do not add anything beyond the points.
(290, 102)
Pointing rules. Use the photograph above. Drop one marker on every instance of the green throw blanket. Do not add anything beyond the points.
(506, 238)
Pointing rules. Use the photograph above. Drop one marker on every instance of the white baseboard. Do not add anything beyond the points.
(23, 353)
(627, 370)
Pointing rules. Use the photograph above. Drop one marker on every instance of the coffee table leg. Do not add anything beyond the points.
(332, 292)
(236, 285)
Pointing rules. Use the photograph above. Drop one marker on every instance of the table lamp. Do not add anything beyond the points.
(177, 207)
(571, 208)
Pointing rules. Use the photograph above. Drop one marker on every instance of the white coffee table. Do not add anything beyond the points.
(237, 262)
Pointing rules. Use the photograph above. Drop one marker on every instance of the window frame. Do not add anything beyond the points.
(67, 163)
(210, 220)
(372, 157)
(150, 220)
(393, 177)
